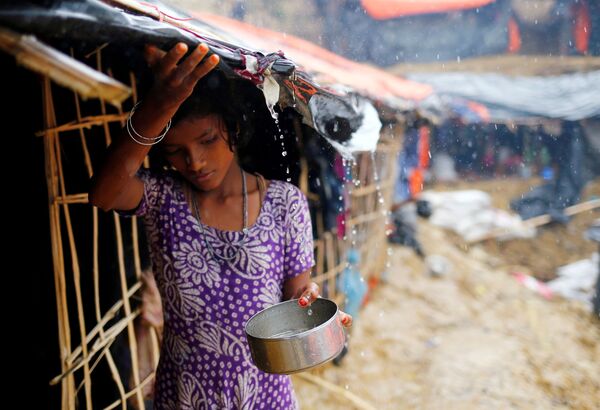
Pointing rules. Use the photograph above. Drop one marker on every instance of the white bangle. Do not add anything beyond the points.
(134, 135)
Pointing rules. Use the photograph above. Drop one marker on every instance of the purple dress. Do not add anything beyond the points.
(205, 360)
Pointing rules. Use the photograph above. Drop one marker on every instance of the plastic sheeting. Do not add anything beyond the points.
(88, 24)
(386, 9)
(567, 97)
(418, 38)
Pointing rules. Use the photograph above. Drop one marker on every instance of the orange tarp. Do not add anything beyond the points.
(325, 66)
(389, 9)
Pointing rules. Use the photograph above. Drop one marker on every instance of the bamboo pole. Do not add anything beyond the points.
(63, 69)
(358, 402)
(64, 333)
(364, 218)
(99, 328)
(72, 199)
(371, 189)
(135, 390)
(127, 308)
(86, 123)
(331, 256)
(97, 347)
(76, 274)
(123, 279)
(540, 220)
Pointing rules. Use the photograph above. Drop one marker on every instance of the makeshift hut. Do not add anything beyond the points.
(83, 61)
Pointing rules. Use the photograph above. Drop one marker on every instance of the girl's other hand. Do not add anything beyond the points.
(310, 293)
(174, 78)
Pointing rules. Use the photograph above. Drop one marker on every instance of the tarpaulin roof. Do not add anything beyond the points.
(567, 97)
(389, 9)
(89, 24)
(325, 66)
(421, 37)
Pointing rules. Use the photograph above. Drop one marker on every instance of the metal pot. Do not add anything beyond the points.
(285, 338)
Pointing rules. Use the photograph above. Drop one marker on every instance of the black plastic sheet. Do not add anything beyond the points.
(87, 24)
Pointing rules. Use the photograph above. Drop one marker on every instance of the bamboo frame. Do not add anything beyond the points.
(61, 68)
(96, 343)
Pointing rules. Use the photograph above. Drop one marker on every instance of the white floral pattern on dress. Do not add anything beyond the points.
(181, 295)
(193, 260)
(213, 338)
(270, 294)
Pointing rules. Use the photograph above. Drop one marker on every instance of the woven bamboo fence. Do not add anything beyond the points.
(370, 193)
(85, 342)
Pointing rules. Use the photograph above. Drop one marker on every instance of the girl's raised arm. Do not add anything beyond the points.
(115, 185)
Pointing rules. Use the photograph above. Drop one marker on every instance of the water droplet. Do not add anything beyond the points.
(284, 153)
(309, 312)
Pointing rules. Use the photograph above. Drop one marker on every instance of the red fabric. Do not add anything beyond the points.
(415, 181)
(514, 36)
(424, 147)
(389, 9)
(480, 109)
(582, 27)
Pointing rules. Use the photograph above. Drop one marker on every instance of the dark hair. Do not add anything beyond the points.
(215, 95)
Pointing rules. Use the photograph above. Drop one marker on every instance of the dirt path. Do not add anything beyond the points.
(473, 339)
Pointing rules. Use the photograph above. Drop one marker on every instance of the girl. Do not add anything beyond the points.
(224, 243)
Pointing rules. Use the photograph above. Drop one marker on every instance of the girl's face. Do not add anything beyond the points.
(197, 147)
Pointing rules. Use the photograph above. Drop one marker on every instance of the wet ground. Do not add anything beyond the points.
(474, 338)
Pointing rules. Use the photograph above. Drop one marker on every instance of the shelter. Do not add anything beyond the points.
(93, 49)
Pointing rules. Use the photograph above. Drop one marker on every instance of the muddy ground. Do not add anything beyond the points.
(474, 338)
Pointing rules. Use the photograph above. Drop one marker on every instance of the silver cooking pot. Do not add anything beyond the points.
(285, 338)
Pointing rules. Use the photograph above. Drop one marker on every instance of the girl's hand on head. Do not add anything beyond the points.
(174, 78)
